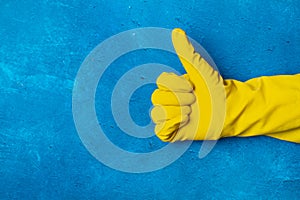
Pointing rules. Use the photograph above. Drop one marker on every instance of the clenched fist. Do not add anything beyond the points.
(187, 107)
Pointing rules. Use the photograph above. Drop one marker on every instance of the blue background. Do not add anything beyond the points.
(43, 44)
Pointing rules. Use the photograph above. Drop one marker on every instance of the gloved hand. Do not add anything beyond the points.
(200, 105)
(189, 107)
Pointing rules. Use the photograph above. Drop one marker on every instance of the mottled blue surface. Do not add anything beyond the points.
(43, 44)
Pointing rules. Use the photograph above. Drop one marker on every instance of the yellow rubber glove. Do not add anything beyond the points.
(267, 105)
(192, 107)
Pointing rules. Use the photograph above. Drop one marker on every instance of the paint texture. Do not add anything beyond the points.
(43, 44)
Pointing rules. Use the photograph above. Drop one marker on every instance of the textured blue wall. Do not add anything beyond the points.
(43, 44)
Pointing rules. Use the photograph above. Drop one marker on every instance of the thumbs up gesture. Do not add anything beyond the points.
(192, 106)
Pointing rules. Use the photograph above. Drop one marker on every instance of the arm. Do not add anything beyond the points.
(202, 106)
